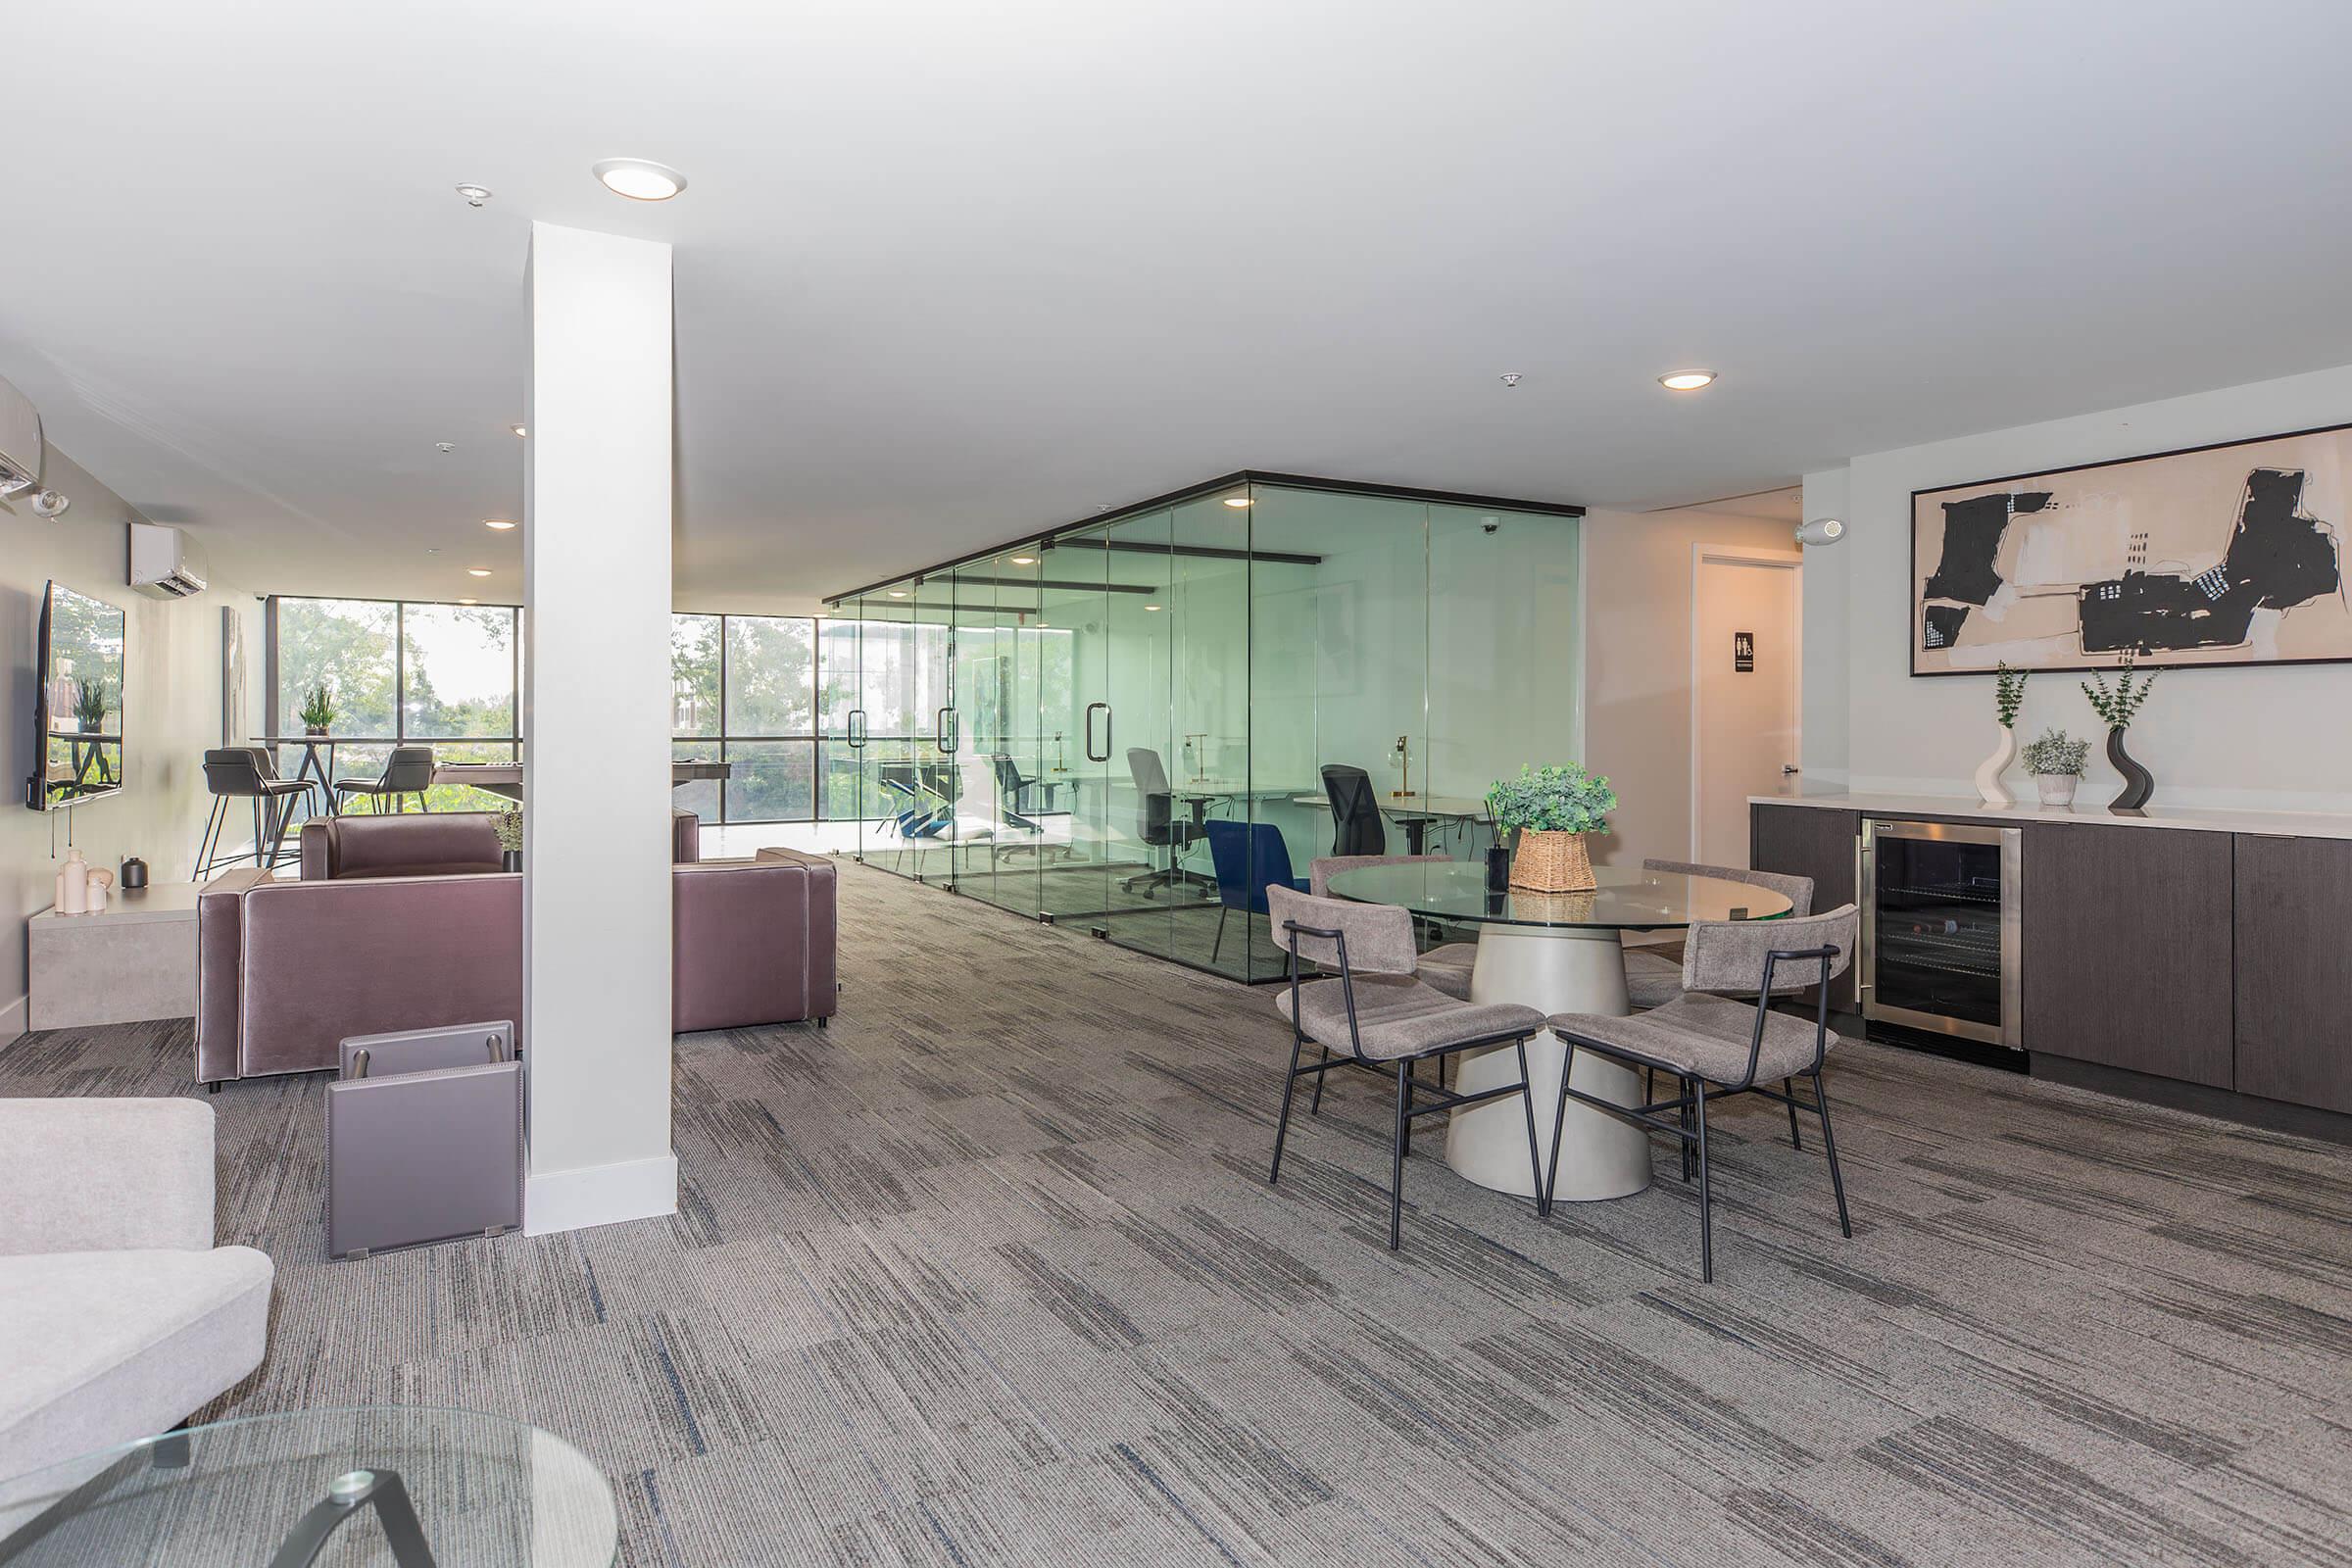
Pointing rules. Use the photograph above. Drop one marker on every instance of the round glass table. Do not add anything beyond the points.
(400, 1486)
(1555, 953)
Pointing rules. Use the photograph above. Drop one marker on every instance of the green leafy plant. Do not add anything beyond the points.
(1552, 800)
(2114, 707)
(2056, 753)
(89, 704)
(507, 825)
(319, 708)
(2008, 694)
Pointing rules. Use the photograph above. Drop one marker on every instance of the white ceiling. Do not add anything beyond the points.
(950, 271)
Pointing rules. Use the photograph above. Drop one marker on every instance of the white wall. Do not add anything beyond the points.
(171, 699)
(2273, 738)
(1638, 576)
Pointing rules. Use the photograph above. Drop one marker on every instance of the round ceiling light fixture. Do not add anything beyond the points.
(1686, 381)
(477, 571)
(1237, 500)
(640, 179)
(1024, 561)
(897, 593)
(475, 195)
(1151, 607)
(518, 429)
(469, 601)
(502, 524)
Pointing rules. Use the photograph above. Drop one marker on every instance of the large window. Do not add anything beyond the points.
(744, 691)
(400, 673)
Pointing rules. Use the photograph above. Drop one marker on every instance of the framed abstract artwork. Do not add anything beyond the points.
(2231, 553)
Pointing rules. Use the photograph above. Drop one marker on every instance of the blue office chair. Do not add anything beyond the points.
(914, 818)
(1248, 857)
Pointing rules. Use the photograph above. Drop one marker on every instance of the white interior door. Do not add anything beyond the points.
(1743, 682)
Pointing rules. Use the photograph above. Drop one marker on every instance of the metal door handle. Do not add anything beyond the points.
(1089, 732)
(856, 729)
(1787, 768)
(943, 730)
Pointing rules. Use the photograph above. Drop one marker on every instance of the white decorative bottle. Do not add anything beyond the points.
(1989, 771)
(74, 885)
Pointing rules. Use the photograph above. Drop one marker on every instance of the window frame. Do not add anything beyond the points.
(272, 676)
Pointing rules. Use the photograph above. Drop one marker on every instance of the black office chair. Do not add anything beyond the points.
(246, 773)
(1355, 811)
(409, 771)
(1156, 822)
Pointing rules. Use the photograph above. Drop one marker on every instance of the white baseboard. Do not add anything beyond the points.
(13, 1019)
(600, 1195)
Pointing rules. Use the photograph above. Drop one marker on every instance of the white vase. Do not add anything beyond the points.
(2057, 789)
(1989, 771)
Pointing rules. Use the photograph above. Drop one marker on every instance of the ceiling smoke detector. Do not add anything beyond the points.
(1511, 380)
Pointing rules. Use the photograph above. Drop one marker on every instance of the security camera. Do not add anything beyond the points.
(1820, 531)
(50, 504)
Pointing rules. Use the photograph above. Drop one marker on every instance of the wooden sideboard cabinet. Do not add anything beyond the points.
(1816, 842)
(2294, 970)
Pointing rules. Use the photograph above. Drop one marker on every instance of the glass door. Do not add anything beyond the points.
(841, 808)
(885, 756)
(971, 737)
(932, 748)
(1024, 834)
(1077, 732)
(1149, 818)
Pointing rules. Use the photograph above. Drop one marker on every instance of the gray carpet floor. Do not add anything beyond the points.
(989, 1272)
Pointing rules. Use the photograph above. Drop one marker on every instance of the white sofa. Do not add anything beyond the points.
(119, 1316)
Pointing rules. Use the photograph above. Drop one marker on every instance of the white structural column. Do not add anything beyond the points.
(596, 699)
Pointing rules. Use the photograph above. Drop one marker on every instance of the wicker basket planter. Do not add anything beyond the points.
(1553, 862)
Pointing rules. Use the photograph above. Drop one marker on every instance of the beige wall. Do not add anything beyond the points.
(172, 703)
(1638, 666)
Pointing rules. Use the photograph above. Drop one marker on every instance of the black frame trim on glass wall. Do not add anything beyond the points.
(400, 671)
(1192, 492)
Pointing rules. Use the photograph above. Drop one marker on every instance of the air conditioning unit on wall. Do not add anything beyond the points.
(19, 442)
(163, 565)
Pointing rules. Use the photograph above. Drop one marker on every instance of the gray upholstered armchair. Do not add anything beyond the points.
(119, 1316)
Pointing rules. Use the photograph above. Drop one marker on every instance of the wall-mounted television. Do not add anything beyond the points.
(78, 747)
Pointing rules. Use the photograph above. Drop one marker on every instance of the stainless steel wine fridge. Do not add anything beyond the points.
(1941, 929)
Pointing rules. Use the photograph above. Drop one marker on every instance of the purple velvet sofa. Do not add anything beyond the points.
(433, 843)
(286, 969)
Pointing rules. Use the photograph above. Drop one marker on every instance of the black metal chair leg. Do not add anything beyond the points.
(1706, 1197)
(207, 842)
(258, 841)
(1551, 1173)
(1682, 1087)
(1316, 1107)
(1828, 1143)
(1527, 1102)
(1788, 1088)
(1396, 1156)
(1282, 1126)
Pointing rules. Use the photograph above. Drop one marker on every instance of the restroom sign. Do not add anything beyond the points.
(1743, 653)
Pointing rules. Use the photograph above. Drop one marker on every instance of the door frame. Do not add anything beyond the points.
(1792, 561)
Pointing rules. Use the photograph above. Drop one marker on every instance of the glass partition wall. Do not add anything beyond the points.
(1137, 723)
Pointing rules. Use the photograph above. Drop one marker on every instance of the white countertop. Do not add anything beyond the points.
(2287, 825)
(158, 901)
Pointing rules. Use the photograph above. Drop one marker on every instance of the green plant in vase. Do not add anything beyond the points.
(2056, 760)
(89, 707)
(2008, 696)
(1552, 809)
(2116, 707)
(318, 711)
(507, 825)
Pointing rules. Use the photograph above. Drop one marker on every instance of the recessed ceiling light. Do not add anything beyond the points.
(475, 195)
(518, 429)
(1237, 500)
(1024, 561)
(502, 524)
(897, 593)
(469, 601)
(1686, 380)
(640, 179)
(1151, 607)
(477, 571)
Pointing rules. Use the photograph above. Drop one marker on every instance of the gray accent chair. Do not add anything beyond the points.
(1716, 1043)
(407, 771)
(1654, 975)
(1445, 968)
(1374, 1014)
(118, 1317)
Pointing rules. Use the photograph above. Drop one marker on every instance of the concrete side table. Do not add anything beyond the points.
(135, 961)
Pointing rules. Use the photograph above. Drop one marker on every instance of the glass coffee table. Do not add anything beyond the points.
(397, 1486)
(1555, 953)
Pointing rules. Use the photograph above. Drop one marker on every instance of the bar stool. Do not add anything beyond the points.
(244, 772)
(408, 771)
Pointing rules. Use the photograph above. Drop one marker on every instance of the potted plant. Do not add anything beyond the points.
(2008, 695)
(1551, 808)
(89, 707)
(508, 824)
(2056, 762)
(317, 711)
(2116, 709)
